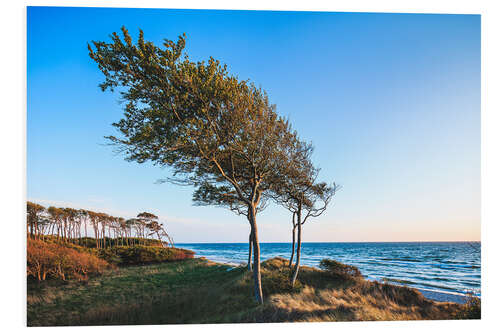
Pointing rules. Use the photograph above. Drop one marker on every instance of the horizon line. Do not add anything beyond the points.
(423, 241)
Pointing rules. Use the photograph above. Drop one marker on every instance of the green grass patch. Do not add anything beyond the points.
(190, 291)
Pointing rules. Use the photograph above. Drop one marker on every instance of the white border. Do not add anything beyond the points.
(13, 140)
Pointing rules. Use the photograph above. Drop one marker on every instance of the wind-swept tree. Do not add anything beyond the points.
(121, 228)
(147, 217)
(140, 228)
(198, 119)
(57, 216)
(34, 215)
(150, 222)
(104, 220)
(310, 203)
(83, 215)
(69, 218)
(130, 225)
(299, 192)
(95, 219)
(157, 229)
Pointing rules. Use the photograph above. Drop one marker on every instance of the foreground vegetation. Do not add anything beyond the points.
(199, 291)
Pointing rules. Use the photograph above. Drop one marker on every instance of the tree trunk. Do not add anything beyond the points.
(97, 240)
(103, 236)
(299, 243)
(293, 245)
(249, 265)
(64, 226)
(256, 256)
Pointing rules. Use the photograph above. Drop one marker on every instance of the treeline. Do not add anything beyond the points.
(75, 225)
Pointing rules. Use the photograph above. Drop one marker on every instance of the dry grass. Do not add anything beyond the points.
(325, 298)
(347, 305)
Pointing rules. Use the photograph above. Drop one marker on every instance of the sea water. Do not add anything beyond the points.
(449, 267)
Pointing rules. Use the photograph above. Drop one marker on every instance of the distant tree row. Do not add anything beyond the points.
(71, 225)
(217, 133)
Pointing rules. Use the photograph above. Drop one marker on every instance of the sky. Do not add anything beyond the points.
(391, 103)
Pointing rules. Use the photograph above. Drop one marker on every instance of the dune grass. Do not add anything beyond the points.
(199, 291)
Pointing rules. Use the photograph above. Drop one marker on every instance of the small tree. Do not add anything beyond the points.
(298, 191)
(311, 203)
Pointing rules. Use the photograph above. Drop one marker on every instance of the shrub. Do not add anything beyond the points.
(278, 282)
(339, 269)
(471, 309)
(276, 277)
(140, 254)
(275, 263)
(56, 261)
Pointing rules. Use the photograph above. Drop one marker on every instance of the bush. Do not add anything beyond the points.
(471, 308)
(276, 277)
(339, 269)
(278, 282)
(140, 254)
(51, 260)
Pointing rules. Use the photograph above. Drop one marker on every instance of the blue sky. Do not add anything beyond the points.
(391, 103)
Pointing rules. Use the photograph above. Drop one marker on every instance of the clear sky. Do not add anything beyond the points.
(391, 103)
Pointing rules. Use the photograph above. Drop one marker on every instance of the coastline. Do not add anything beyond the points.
(433, 295)
(443, 297)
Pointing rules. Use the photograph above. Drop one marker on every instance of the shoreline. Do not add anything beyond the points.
(432, 295)
(443, 297)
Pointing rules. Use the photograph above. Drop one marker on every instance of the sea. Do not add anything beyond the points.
(444, 267)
